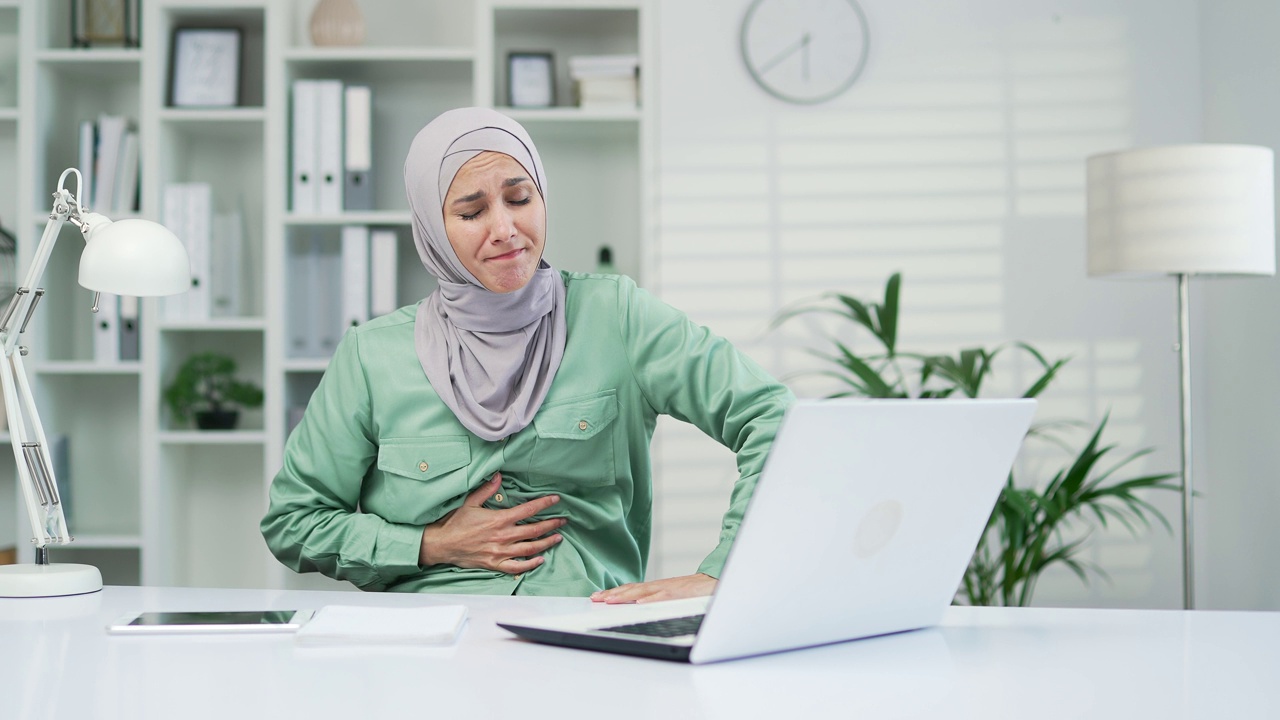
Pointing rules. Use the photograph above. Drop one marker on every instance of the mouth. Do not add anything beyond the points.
(507, 256)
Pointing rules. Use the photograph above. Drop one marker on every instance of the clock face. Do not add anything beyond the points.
(804, 51)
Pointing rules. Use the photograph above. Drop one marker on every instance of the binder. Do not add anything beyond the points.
(173, 308)
(357, 189)
(126, 186)
(199, 221)
(88, 158)
(326, 297)
(355, 275)
(298, 284)
(130, 349)
(227, 264)
(106, 336)
(303, 174)
(111, 130)
(383, 252)
(329, 146)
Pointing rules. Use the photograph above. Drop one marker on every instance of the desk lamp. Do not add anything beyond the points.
(1182, 210)
(129, 257)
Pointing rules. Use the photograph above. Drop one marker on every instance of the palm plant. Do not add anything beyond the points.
(1026, 533)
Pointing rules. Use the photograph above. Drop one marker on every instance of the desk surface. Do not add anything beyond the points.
(57, 661)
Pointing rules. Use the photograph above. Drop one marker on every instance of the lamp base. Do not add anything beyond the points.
(48, 580)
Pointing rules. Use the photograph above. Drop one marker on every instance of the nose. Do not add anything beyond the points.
(504, 226)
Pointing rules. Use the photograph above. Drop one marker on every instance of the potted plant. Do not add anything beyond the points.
(1025, 533)
(207, 388)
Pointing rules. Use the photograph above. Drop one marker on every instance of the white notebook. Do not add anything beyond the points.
(358, 625)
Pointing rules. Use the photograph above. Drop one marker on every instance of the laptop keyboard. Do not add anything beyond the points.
(670, 627)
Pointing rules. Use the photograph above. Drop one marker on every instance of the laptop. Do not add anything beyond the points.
(861, 524)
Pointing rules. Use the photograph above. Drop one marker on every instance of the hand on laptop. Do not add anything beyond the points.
(475, 537)
(676, 588)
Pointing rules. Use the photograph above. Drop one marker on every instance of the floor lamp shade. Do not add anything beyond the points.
(1182, 209)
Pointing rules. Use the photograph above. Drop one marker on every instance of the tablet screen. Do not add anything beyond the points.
(212, 621)
(254, 617)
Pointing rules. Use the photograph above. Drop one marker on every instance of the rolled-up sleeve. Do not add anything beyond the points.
(312, 521)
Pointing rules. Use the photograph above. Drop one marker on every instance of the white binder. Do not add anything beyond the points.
(111, 130)
(226, 264)
(305, 148)
(88, 158)
(106, 335)
(355, 275)
(173, 308)
(329, 146)
(383, 251)
(129, 328)
(199, 222)
(126, 187)
(326, 297)
(357, 190)
(298, 268)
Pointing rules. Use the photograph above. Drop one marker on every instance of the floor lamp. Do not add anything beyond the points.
(1182, 210)
(129, 257)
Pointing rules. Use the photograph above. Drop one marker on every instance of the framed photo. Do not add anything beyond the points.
(98, 23)
(531, 79)
(204, 67)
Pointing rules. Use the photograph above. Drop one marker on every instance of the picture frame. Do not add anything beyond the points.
(105, 23)
(531, 79)
(204, 67)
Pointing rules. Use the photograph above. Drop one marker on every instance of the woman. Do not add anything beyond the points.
(495, 437)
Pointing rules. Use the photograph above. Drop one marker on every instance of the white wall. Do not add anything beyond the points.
(958, 158)
(1240, 540)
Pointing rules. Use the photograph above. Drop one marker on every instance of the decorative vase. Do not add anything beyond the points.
(337, 22)
(217, 419)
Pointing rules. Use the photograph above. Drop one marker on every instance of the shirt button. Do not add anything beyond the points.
(423, 466)
(582, 425)
(520, 576)
(498, 497)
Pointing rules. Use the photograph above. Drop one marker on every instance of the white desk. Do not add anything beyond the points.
(56, 661)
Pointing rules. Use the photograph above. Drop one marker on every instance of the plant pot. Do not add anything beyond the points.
(217, 419)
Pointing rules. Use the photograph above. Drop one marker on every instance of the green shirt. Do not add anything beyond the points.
(377, 455)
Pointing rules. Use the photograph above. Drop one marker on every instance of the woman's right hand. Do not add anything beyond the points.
(476, 537)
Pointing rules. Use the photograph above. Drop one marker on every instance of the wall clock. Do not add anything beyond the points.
(804, 51)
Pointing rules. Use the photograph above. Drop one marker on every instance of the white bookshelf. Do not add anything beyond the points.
(161, 503)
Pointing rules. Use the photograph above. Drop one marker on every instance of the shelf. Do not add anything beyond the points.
(306, 365)
(213, 437)
(112, 64)
(375, 217)
(94, 541)
(9, 114)
(210, 115)
(215, 324)
(86, 367)
(379, 55)
(572, 114)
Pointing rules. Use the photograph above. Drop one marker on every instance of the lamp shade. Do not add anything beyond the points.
(133, 257)
(1193, 209)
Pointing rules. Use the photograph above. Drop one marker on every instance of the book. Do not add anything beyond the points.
(354, 625)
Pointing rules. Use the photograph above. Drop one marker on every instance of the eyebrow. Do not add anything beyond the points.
(509, 182)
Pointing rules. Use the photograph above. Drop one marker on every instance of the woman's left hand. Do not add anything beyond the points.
(674, 588)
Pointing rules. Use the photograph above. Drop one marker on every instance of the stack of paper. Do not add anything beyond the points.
(606, 81)
(349, 624)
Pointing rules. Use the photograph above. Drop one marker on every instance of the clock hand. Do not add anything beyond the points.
(801, 44)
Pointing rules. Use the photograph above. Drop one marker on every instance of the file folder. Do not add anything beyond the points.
(88, 159)
(130, 348)
(383, 251)
(106, 337)
(303, 175)
(357, 190)
(199, 221)
(355, 275)
(173, 308)
(329, 146)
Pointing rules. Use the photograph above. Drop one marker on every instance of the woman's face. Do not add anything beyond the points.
(496, 221)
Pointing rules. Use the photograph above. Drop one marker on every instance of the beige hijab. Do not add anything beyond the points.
(491, 357)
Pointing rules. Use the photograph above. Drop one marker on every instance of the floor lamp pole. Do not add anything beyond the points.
(1184, 397)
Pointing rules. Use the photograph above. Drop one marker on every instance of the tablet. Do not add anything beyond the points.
(211, 622)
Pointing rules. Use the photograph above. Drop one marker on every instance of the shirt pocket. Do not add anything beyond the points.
(575, 442)
(420, 476)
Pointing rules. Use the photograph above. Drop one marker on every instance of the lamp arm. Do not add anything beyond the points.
(35, 472)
